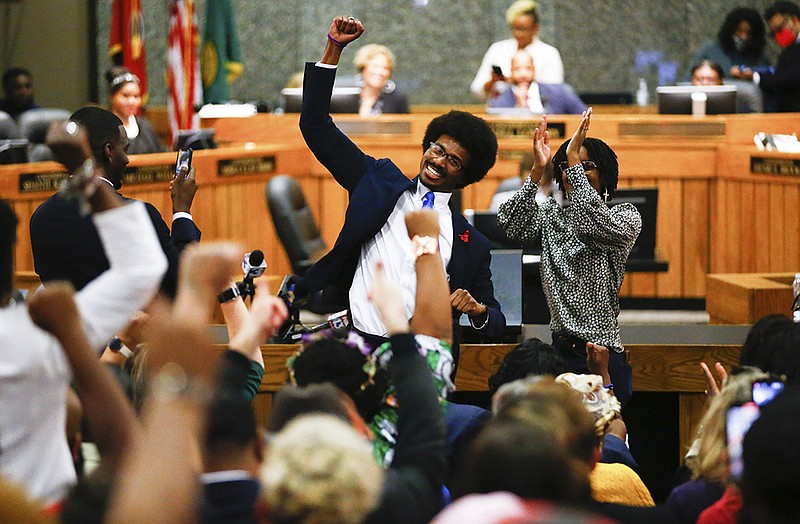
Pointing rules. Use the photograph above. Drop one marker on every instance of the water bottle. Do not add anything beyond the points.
(796, 293)
(642, 94)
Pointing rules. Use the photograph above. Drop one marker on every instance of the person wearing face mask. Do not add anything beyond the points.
(379, 94)
(740, 42)
(781, 87)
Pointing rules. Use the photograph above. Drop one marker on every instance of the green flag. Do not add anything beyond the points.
(220, 61)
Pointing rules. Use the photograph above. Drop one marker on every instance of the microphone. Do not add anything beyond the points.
(253, 266)
(338, 323)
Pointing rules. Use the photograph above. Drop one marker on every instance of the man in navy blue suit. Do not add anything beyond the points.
(458, 150)
(65, 243)
(524, 93)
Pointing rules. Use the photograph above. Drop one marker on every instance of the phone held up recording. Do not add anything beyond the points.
(740, 418)
(184, 160)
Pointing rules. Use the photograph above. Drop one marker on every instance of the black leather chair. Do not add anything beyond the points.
(34, 124)
(294, 223)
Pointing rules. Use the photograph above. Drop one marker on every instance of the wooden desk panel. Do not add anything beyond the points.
(714, 214)
(656, 368)
(225, 207)
(746, 297)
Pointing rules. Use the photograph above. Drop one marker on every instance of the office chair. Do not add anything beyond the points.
(34, 124)
(294, 223)
(8, 127)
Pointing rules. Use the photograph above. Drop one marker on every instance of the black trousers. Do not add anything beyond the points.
(573, 350)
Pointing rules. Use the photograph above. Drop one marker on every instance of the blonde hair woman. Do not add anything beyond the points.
(379, 94)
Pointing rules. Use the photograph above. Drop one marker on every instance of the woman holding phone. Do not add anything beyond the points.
(523, 20)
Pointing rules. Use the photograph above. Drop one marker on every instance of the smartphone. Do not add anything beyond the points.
(766, 390)
(184, 160)
(737, 421)
(497, 70)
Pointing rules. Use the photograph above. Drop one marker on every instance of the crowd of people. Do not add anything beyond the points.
(117, 406)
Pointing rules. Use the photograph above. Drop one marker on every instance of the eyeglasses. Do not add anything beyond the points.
(438, 151)
(588, 165)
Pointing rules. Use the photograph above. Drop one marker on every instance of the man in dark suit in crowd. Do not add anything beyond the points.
(65, 243)
(782, 86)
(525, 93)
(458, 150)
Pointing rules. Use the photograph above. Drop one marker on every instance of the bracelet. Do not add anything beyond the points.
(424, 246)
(332, 39)
(609, 386)
(229, 294)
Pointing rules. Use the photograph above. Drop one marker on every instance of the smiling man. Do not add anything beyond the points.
(458, 150)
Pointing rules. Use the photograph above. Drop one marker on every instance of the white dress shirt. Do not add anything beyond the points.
(392, 247)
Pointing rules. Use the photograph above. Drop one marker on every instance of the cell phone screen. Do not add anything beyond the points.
(184, 160)
(738, 421)
(766, 390)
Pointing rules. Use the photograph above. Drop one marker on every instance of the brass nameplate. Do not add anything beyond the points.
(149, 174)
(710, 129)
(775, 166)
(374, 127)
(510, 154)
(45, 181)
(246, 166)
(525, 129)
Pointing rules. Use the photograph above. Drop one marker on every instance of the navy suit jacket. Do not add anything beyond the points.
(374, 185)
(66, 245)
(557, 99)
(782, 88)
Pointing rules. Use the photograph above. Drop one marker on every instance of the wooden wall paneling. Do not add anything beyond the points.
(791, 222)
(695, 237)
(223, 215)
(669, 231)
(262, 405)
(748, 213)
(774, 234)
(23, 256)
(691, 407)
(725, 244)
(733, 241)
(333, 203)
(762, 222)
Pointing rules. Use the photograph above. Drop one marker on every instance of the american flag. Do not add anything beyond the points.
(183, 72)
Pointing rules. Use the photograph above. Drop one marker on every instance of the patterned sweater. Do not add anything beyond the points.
(585, 245)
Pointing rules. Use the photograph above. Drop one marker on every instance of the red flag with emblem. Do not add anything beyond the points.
(126, 47)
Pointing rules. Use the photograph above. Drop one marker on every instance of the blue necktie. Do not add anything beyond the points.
(427, 200)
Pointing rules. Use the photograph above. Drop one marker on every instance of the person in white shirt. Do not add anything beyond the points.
(523, 20)
(34, 372)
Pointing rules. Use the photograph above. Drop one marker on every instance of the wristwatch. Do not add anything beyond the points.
(229, 294)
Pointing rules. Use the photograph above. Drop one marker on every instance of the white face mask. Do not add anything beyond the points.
(740, 42)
